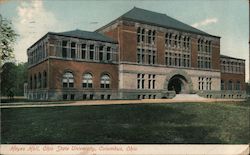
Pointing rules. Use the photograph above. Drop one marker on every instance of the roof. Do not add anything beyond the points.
(85, 35)
(159, 19)
(228, 57)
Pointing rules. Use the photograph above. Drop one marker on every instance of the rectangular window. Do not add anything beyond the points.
(84, 53)
(73, 49)
(84, 96)
(108, 97)
(64, 49)
(91, 96)
(72, 96)
(65, 96)
(101, 58)
(91, 52)
(102, 97)
(108, 53)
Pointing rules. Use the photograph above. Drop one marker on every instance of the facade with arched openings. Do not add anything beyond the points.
(142, 54)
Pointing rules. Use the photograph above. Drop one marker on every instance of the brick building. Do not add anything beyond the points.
(141, 54)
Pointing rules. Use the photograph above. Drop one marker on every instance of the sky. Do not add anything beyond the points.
(32, 19)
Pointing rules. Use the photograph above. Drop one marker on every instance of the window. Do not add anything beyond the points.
(102, 97)
(91, 52)
(108, 97)
(73, 49)
(109, 53)
(84, 51)
(87, 81)
(35, 82)
(237, 87)
(149, 36)
(140, 81)
(65, 96)
(91, 96)
(44, 79)
(154, 57)
(138, 35)
(142, 35)
(222, 85)
(101, 53)
(230, 85)
(105, 81)
(84, 96)
(64, 49)
(68, 80)
(39, 84)
(72, 96)
(31, 82)
(153, 37)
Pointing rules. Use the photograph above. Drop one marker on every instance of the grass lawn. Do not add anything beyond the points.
(132, 123)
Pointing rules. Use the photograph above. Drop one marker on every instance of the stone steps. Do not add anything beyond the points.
(188, 97)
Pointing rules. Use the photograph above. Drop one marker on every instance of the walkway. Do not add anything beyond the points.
(178, 99)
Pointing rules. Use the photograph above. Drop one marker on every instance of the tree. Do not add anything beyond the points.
(8, 78)
(13, 78)
(7, 40)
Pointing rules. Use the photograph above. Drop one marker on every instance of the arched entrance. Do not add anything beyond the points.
(179, 84)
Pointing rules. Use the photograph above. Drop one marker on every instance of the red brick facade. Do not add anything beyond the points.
(124, 50)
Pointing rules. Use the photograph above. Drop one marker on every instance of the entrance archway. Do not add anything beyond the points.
(178, 83)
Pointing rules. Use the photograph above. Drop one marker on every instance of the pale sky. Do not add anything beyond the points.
(34, 18)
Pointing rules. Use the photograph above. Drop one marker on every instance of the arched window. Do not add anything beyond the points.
(35, 81)
(222, 85)
(44, 79)
(105, 81)
(87, 80)
(68, 80)
(230, 85)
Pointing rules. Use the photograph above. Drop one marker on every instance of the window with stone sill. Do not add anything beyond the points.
(140, 81)
(68, 80)
(87, 81)
(105, 81)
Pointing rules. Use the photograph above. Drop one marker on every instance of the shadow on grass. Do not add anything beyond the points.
(109, 124)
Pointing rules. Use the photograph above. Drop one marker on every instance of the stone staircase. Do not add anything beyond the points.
(189, 97)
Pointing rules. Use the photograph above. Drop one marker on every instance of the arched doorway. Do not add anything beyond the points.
(178, 83)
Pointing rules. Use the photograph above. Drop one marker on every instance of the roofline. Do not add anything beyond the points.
(122, 18)
(54, 33)
(225, 56)
(38, 41)
(171, 27)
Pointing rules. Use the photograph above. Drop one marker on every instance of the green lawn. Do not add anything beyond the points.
(134, 123)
